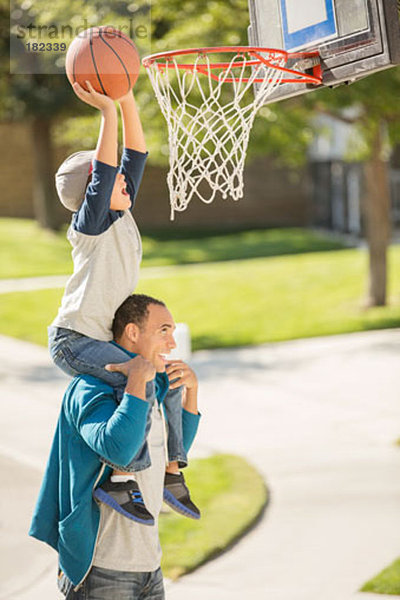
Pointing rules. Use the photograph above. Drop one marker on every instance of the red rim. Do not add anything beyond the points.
(289, 75)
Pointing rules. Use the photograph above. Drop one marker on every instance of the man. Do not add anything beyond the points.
(102, 554)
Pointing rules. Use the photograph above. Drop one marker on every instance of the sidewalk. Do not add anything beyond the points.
(317, 417)
(27, 284)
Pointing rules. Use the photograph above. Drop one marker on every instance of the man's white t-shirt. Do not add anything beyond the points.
(123, 544)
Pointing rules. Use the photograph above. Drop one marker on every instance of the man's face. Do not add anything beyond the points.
(156, 339)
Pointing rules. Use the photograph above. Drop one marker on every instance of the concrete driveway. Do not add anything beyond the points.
(319, 418)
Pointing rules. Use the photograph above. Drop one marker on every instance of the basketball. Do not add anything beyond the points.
(107, 58)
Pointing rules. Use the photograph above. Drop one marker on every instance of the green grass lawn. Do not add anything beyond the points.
(230, 494)
(386, 582)
(245, 302)
(26, 250)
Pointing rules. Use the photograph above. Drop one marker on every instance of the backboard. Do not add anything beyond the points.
(355, 38)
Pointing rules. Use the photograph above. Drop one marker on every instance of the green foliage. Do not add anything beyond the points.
(189, 24)
(282, 131)
(369, 103)
(28, 92)
(37, 92)
(230, 493)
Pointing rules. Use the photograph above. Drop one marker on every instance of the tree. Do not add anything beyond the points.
(374, 101)
(39, 99)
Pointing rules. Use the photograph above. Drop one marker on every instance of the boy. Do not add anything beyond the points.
(106, 251)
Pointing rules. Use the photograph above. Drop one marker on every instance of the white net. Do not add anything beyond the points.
(209, 116)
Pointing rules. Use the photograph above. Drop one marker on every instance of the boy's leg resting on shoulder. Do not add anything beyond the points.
(77, 354)
(173, 410)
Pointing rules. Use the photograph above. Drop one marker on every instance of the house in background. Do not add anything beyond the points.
(273, 196)
(338, 181)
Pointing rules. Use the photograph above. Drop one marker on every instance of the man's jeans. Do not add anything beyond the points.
(77, 354)
(105, 584)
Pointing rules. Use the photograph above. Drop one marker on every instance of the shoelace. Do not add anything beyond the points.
(136, 497)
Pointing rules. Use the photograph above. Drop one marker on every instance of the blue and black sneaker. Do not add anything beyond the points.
(125, 498)
(177, 496)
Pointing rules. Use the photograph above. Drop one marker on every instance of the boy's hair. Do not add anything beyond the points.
(133, 310)
(72, 178)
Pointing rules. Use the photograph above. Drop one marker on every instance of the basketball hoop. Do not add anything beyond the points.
(210, 106)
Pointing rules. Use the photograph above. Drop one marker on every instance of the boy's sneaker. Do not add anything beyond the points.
(125, 498)
(177, 496)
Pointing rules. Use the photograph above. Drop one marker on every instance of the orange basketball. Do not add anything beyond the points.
(106, 57)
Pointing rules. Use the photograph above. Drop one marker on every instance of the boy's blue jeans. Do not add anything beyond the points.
(77, 354)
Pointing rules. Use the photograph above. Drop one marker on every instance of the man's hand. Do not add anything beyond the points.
(138, 371)
(92, 97)
(136, 367)
(183, 374)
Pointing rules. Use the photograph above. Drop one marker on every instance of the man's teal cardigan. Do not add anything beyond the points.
(91, 425)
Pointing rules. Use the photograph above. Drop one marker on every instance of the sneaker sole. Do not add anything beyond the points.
(180, 508)
(106, 499)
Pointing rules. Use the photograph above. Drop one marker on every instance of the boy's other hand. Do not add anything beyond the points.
(91, 97)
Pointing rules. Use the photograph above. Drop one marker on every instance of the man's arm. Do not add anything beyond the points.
(114, 432)
(138, 372)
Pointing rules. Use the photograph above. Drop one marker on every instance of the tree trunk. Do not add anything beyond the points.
(44, 193)
(377, 219)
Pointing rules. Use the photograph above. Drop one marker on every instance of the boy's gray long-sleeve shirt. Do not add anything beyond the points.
(106, 252)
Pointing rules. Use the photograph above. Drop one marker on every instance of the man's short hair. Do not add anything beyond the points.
(135, 309)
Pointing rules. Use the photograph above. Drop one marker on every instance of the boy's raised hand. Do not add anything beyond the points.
(92, 97)
(126, 98)
(131, 125)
